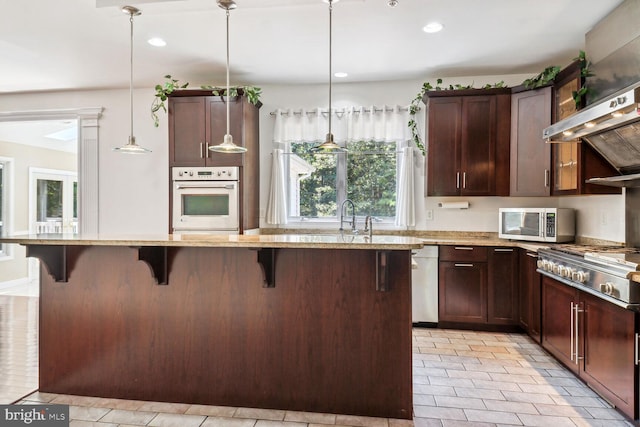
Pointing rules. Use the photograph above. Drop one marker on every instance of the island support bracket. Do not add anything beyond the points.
(267, 260)
(156, 258)
(55, 258)
(382, 271)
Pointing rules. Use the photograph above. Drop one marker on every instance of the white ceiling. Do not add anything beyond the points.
(78, 44)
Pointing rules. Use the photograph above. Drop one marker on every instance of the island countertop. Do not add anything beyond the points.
(310, 241)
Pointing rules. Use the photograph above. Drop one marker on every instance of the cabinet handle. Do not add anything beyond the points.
(546, 177)
(462, 248)
(464, 180)
(636, 349)
(503, 250)
(457, 179)
(201, 152)
(463, 265)
(206, 149)
(532, 255)
(575, 308)
(571, 331)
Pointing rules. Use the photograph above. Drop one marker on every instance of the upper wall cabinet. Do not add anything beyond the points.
(572, 163)
(198, 120)
(468, 142)
(530, 156)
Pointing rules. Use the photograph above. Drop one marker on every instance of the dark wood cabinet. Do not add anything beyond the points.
(198, 120)
(477, 285)
(502, 290)
(468, 142)
(529, 294)
(530, 155)
(595, 339)
(572, 163)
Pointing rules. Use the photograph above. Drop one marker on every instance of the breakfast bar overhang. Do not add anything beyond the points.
(318, 323)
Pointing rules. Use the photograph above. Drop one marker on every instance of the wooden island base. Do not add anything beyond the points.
(322, 339)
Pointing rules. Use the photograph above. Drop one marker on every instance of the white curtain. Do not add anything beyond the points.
(347, 124)
(277, 205)
(405, 205)
(378, 123)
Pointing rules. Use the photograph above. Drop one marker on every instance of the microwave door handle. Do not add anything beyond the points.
(543, 229)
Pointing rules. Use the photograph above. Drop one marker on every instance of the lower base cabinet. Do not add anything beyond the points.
(478, 285)
(529, 294)
(595, 339)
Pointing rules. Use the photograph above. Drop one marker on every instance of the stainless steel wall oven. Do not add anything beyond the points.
(205, 200)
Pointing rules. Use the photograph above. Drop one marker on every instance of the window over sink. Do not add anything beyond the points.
(317, 184)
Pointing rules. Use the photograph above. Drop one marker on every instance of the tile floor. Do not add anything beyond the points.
(461, 378)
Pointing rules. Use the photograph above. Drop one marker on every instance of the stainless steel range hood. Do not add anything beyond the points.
(612, 127)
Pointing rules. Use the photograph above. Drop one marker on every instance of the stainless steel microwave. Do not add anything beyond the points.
(537, 224)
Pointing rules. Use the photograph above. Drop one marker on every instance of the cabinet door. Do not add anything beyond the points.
(557, 321)
(530, 156)
(443, 135)
(609, 359)
(462, 290)
(502, 291)
(478, 139)
(529, 295)
(216, 128)
(187, 137)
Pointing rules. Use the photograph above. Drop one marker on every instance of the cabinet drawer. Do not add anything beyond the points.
(463, 253)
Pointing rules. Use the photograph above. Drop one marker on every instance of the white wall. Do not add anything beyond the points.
(134, 189)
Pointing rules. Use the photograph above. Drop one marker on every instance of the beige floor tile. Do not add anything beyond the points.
(211, 411)
(172, 408)
(228, 422)
(492, 416)
(176, 420)
(471, 375)
(268, 423)
(562, 410)
(545, 420)
(356, 421)
(459, 402)
(400, 423)
(69, 399)
(85, 413)
(452, 382)
(310, 417)
(479, 393)
(439, 413)
(127, 405)
(120, 416)
(519, 396)
(262, 414)
(425, 422)
(433, 390)
(80, 423)
(506, 406)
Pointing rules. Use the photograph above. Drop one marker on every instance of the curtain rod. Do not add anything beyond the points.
(342, 111)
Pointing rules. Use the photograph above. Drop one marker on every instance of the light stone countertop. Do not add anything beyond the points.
(310, 241)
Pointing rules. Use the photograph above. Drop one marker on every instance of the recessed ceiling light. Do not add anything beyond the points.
(341, 74)
(432, 27)
(157, 41)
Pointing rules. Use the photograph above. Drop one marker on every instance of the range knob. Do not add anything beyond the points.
(540, 264)
(191, 173)
(180, 173)
(579, 276)
(555, 268)
(568, 272)
(562, 271)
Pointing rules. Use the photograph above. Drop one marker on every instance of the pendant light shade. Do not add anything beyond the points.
(227, 145)
(329, 146)
(131, 147)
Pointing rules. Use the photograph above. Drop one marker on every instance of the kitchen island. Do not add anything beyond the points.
(318, 323)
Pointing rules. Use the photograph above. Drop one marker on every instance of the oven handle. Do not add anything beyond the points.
(206, 185)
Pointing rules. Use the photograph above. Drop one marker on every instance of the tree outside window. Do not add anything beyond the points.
(366, 174)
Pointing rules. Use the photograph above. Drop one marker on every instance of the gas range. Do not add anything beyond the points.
(609, 272)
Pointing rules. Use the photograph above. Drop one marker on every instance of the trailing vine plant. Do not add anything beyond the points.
(162, 92)
(581, 94)
(414, 107)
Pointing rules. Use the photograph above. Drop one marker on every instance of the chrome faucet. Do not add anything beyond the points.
(368, 225)
(353, 215)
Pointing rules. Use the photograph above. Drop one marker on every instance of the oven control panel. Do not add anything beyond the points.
(204, 174)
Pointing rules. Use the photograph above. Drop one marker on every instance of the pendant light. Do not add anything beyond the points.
(329, 146)
(227, 146)
(131, 147)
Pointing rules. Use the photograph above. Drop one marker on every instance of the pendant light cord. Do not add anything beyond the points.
(330, 68)
(131, 79)
(228, 98)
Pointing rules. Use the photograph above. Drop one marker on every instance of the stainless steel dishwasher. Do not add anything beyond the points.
(424, 278)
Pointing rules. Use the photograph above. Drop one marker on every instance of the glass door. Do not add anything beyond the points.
(53, 201)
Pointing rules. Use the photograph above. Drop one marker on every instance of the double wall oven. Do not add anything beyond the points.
(205, 200)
